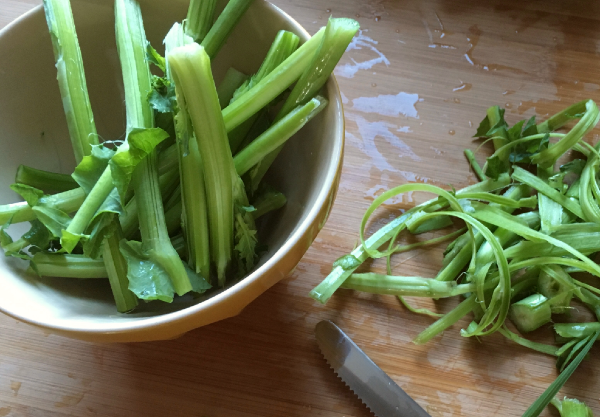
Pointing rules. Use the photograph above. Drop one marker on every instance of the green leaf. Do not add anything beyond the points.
(54, 219)
(155, 58)
(530, 127)
(514, 132)
(245, 242)
(483, 128)
(141, 142)
(500, 128)
(199, 284)
(30, 194)
(5, 238)
(162, 96)
(92, 166)
(347, 262)
(495, 167)
(100, 226)
(38, 235)
(147, 279)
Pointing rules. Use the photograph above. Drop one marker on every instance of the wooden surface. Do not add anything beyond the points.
(416, 82)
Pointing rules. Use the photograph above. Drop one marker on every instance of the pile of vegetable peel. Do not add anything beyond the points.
(530, 232)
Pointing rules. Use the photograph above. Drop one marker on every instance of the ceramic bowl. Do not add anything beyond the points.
(34, 132)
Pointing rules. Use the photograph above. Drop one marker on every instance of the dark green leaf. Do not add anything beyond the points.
(515, 131)
(483, 128)
(495, 167)
(575, 166)
(38, 235)
(530, 127)
(30, 194)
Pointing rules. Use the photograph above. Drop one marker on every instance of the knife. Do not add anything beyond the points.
(373, 386)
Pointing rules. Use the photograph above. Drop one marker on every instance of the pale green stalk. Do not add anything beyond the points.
(199, 18)
(222, 28)
(338, 35)
(191, 168)
(131, 43)
(190, 68)
(71, 77)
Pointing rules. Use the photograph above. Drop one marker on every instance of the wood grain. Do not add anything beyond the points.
(416, 83)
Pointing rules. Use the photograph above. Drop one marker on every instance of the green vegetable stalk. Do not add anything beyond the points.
(44, 180)
(190, 68)
(199, 19)
(283, 46)
(530, 313)
(571, 407)
(156, 246)
(226, 22)
(271, 86)
(191, 167)
(231, 82)
(338, 35)
(277, 134)
(71, 77)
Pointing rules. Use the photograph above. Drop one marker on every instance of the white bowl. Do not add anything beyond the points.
(34, 132)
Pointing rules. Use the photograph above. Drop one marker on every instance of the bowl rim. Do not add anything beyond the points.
(299, 232)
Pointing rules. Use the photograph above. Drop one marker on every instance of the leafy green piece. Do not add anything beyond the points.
(515, 132)
(162, 95)
(530, 127)
(495, 166)
(147, 279)
(31, 195)
(38, 235)
(54, 219)
(155, 58)
(483, 128)
(142, 141)
(91, 167)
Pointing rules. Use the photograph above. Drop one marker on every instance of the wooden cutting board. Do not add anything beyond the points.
(416, 82)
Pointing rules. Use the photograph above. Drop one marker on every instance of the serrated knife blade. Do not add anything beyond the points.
(373, 386)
